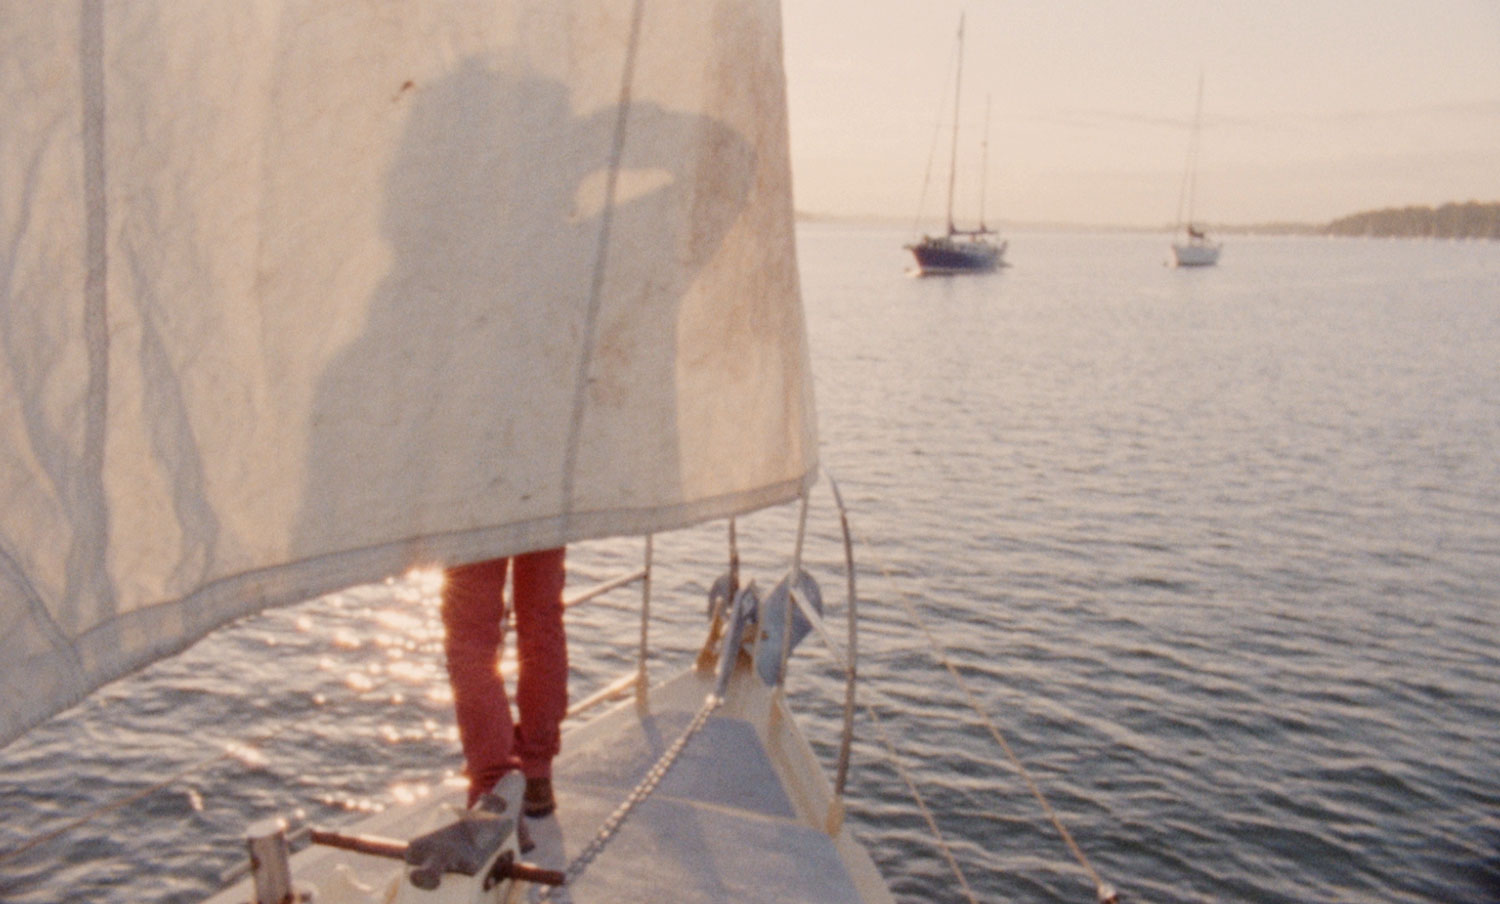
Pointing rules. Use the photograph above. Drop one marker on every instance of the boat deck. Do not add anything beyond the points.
(720, 827)
(745, 814)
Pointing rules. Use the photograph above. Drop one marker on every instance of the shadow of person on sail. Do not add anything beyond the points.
(524, 336)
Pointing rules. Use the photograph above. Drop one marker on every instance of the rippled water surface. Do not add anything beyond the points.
(1217, 552)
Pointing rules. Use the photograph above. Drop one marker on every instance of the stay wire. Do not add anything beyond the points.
(916, 795)
(932, 150)
(894, 755)
(235, 750)
(1106, 892)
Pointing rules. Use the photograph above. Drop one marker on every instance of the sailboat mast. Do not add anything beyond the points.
(1190, 176)
(984, 164)
(1197, 138)
(958, 83)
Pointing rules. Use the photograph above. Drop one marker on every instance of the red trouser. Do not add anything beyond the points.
(473, 610)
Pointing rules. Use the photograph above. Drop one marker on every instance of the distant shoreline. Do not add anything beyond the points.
(1469, 220)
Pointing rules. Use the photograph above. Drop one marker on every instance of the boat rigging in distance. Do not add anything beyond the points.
(961, 250)
(1193, 247)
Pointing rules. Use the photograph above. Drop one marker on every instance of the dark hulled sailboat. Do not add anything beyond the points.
(961, 250)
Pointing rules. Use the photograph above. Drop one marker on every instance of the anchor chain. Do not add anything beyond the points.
(637, 796)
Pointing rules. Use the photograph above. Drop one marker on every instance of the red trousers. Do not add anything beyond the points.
(473, 634)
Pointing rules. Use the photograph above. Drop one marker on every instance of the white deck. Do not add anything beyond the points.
(740, 817)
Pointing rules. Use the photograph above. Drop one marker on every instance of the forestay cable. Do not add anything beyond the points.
(236, 749)
(1106, 892)
(916, 795)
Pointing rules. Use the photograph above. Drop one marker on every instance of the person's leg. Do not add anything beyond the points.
(542, 686)
(473, 609)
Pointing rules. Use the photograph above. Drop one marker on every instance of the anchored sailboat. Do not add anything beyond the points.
(961, 250)
(1193, 248)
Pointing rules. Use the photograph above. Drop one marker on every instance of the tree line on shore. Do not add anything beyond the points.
(1471, 220)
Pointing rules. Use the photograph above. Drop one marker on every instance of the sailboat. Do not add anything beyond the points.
(362, 294)
(960, 250)
(1193, 248)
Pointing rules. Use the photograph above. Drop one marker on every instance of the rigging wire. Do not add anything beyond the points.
(1106, 892)
(937, 133)
(916, 794)
(237, 749)
(1189, 187)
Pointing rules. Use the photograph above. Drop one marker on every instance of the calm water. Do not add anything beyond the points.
(1218, 552)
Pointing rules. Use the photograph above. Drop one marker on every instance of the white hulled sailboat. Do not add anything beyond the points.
(1193, 247)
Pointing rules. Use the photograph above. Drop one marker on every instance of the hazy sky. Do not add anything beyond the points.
(1312, 108)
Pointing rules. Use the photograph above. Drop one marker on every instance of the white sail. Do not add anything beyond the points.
(295, 295)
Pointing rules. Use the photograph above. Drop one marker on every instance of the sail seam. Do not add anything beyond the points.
(596, 285)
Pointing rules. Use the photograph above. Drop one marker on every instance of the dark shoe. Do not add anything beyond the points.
(538, 801)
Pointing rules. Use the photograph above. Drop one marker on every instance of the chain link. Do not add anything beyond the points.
(637, 796)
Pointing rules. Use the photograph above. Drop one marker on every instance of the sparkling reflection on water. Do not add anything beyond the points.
(1218, 552)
